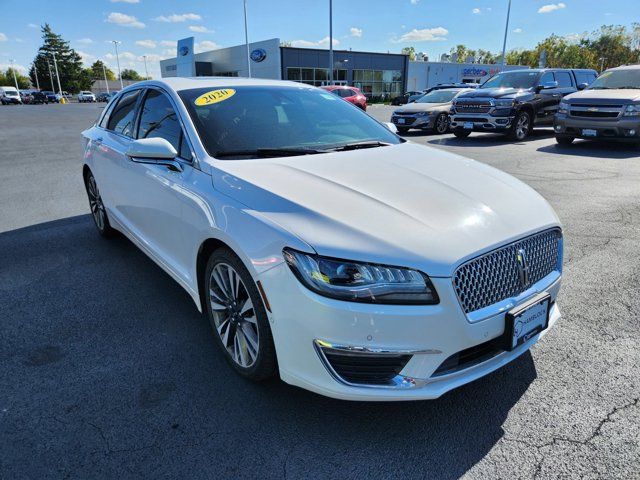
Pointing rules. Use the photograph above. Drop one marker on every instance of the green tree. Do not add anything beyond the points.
(462, 53)
(97, 73)
(409, 51)
(73, 77)
(130, 74)
(7, 79)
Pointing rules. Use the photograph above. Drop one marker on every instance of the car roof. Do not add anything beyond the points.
(187, 83)
(626, 67)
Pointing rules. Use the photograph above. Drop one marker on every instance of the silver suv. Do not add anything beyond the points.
(609, 109)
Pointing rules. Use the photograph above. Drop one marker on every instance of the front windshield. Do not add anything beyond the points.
(617, 79)
(253, 118)
(438, 96)
(519, 80)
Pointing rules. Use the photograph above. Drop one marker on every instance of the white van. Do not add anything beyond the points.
(9, 95)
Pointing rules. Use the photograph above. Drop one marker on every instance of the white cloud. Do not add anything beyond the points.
(32, 25)
(3, 37)
(320, 43)
(423, 35)
(85, 41)
(19, 68)
(573, 37)
(517, 30)
(204, 46)
(200, 29)
(125, 1)
(476, 11)
(355, 32)
(124, 20)
(169, 43)
(122, 55)
(146, 43)
(18, 40)
(414, 2)
(177, 18)
(87, 58)
(169, 52)
(551, 7)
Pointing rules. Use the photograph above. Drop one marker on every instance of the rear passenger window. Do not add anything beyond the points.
(564, 79)
(585, 77)
(123, 115)
(159, 120)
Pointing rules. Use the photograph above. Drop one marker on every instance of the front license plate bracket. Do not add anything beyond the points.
(526, 320)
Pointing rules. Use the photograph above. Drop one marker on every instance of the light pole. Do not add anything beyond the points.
(246, 39)
(35, 72)
(13, 70)
(506, 30)
(53, 89)
(106, 82)
(330, 42)
(55, 65)
(144, 57)
(115, 44)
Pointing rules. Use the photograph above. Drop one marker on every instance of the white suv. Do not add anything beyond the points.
(85, 96)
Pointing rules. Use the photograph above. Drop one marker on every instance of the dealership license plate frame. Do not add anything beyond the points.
(468, 125)
(589, 132)
(400, 121)
(539, 304)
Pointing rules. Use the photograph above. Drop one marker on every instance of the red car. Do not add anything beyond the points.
(350, 94)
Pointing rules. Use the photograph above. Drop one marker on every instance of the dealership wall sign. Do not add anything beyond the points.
(184, 51)
(258, 55)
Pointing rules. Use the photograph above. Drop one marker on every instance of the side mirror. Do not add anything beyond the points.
(157, 151)
(547, 85)
(582, 86)
(391, 127)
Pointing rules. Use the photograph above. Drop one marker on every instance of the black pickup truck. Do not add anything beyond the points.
(514, 102)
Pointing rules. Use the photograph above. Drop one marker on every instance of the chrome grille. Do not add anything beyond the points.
(478, 106)
(495, 276)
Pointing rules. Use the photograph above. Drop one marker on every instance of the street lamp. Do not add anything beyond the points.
(35, 73)
(506, 30)
(15, 79)
(115, 44)
(331, 42)
(53, 89)
(144, 57)
(246, 39)
(104, 72)
(55, 64)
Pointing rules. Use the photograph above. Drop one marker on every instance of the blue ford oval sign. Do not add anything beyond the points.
(258, 55)
(184, 51)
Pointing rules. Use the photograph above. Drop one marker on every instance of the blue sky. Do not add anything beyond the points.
(151, 27)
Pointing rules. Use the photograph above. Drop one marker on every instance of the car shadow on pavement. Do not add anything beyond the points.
(591, 148)
(110, 371)
(489, 139)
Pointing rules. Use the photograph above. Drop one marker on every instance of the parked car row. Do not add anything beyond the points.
(577, 103)
(10, 95)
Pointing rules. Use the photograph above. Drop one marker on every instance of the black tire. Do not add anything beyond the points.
(564, 140)
(521, 127)
(402, 130)
(264, 365)
(441, 124)
(460, 133)
(98, 212)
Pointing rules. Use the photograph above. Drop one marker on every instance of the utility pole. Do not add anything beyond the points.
(246, 39)
(55, 64)
(53, 89)
(145, 67)
(35, 72)
(106, 82)
(15, 79)
(115, 44)
(506, 31)
(330, 42)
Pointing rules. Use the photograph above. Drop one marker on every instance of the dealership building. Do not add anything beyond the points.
(375, 74)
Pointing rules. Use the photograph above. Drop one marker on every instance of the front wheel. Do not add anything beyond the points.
(96, 205)
(238, 317)
(460, 133)
(521, 126)
(442, 123)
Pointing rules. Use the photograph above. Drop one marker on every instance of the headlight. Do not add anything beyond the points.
(361, 282)
(506, 102)
(563, 107)
(632, 110)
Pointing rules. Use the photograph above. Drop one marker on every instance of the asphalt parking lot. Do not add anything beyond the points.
(109, 371)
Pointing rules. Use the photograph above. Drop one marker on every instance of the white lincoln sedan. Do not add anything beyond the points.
(320, 245)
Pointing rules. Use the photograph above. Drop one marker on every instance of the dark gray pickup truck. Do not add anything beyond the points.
(514, 102)
(608, 110)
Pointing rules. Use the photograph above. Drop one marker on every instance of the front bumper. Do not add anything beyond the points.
(621, 128)
(424, 122)
(481, 122)
(306, 326)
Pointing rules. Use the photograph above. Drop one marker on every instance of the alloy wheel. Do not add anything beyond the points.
(522, 127)
(95, 203)
(234, 315)
(442, 123)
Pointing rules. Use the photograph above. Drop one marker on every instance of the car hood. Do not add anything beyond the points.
(585, 96)
(423, 107)
(405, 205)
(494, 93)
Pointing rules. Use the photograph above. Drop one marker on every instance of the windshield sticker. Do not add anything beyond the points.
(214, 96)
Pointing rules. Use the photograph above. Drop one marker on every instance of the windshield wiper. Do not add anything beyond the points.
(358, 145)
(268, 152)
(629, 87)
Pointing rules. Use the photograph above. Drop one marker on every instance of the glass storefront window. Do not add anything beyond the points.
(293, 74)
(307, 74)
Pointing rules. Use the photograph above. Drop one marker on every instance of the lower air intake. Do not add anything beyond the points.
(365, 368)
